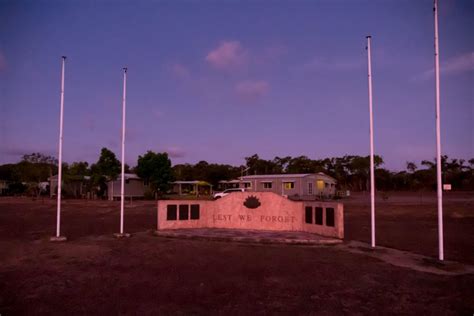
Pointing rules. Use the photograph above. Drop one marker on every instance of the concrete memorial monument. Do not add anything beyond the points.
(255, 211)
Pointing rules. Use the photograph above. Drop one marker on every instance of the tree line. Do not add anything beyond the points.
(36, 168)
(353, 172)
(350, 171)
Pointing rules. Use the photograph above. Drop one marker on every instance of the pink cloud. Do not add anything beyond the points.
(458, 64)
(228, 55)
(252, 90)
(180, 71)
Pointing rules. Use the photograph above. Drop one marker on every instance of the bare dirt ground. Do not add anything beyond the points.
(409, 221)
(95, 274)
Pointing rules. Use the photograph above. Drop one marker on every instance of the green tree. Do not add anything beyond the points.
(155, 168)
(471, 163)
(7, 172)
(33, 169)
(301, 164)
(108, 164)
(411, 166)
(282, 163)
(383, 179)
(184, 172)
(40, 158)
(80, 168)
(359, 170)
(106, 168)
(262, 166)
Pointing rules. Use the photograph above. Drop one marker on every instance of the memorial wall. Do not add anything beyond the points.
(254, 211)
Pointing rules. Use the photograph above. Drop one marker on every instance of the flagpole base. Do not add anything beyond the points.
(58, 239)
(122, 236)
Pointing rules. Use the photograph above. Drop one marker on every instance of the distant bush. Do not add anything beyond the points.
(149, 195)
(17, 188)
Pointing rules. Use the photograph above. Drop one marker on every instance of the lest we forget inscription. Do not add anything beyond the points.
(249, 218)
(252, 202)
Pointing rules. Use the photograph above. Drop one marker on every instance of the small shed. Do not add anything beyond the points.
(134, 187)
(72, 186)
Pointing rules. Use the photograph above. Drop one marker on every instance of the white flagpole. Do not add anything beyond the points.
(60, 158)
(122, 187)
(60, 161)
(372, 177)
(438, 138)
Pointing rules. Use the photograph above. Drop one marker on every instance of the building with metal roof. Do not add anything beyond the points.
(301, 185)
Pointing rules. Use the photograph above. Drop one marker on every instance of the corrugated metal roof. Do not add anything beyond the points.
(127, 176)
(325, 175)
(285, 176)
(55, 177)
(191, 182)
(229, 181)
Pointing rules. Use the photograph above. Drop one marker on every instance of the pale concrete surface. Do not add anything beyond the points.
(121, 236)
(408, 260)
(58, 239)
(249, 236)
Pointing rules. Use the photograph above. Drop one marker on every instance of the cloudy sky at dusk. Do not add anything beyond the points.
(219, 81)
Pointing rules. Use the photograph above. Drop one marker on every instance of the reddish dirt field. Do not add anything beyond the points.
(409, 221)
(93, 273)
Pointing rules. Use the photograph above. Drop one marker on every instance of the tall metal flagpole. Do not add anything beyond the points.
(438, 138)
(60, 158)
(122, 186)
(372, 177)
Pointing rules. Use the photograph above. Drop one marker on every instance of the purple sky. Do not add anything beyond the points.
(219, 81)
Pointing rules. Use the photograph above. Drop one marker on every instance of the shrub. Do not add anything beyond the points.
(149, 195)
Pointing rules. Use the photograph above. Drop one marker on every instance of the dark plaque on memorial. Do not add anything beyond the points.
(252, 202)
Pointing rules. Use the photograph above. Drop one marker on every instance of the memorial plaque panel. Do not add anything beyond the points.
(330, 216)
(319, 215)
(308, 215)
(195, 210)
(183, 212)
(171, 212)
